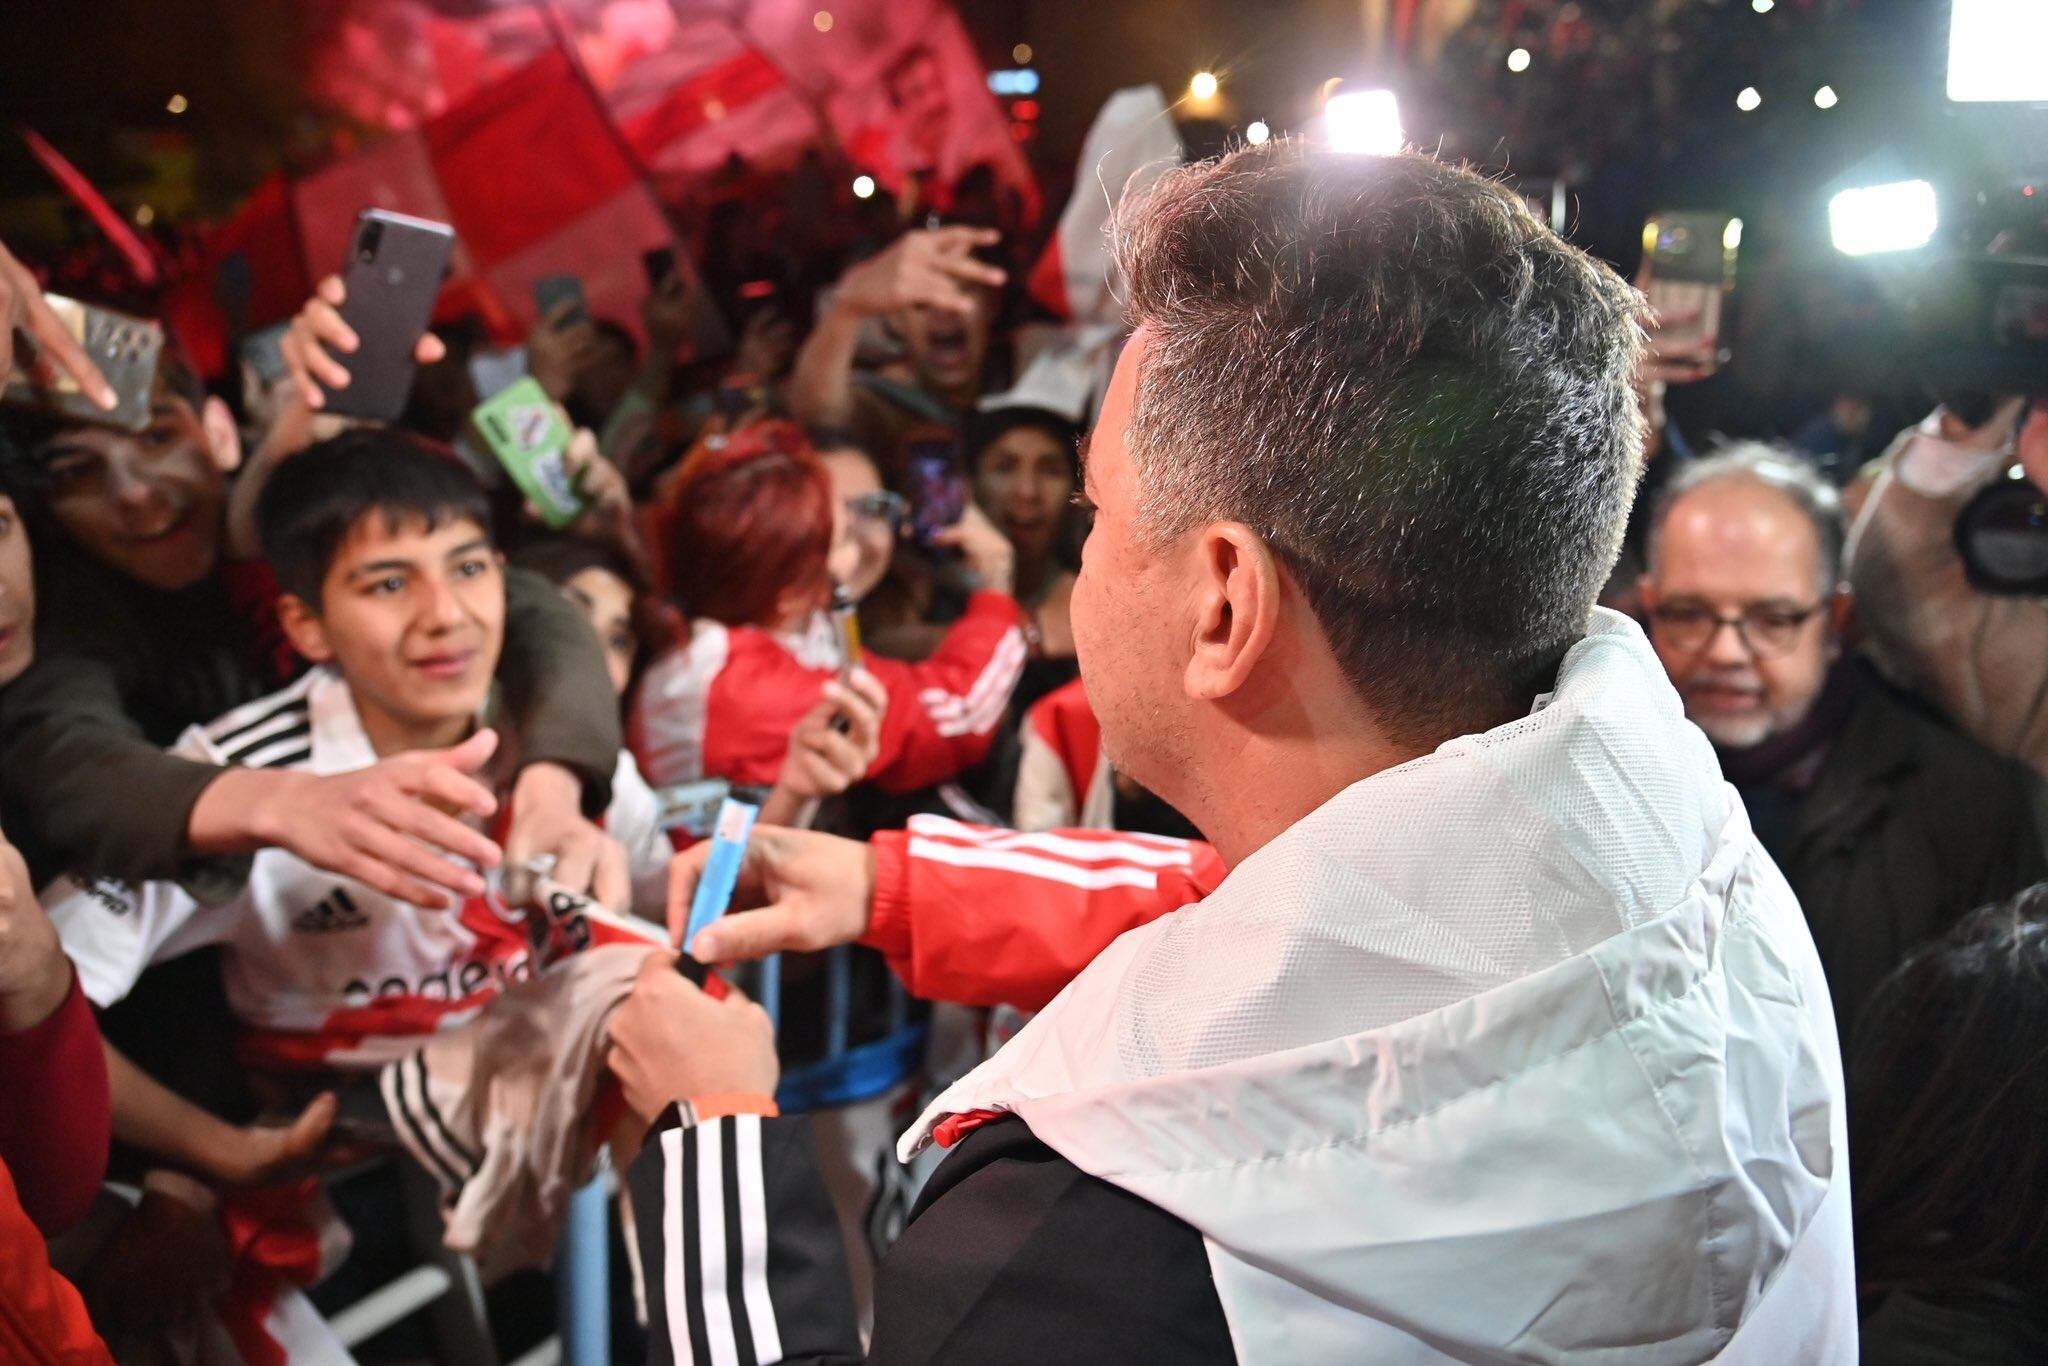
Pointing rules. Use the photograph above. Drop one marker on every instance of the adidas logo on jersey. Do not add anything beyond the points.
(337, 911)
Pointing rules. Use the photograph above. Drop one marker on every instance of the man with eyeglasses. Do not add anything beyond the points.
(1888, 824)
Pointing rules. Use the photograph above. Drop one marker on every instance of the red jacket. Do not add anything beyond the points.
(53, 1129)
(723, 703)
(985, 917)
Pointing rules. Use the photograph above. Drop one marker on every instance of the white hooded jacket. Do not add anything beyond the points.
(1517, 1052)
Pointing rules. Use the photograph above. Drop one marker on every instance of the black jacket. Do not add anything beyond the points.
(1012, 1255)
(1908, 827)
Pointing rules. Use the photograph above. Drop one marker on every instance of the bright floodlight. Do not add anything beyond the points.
(863, 187)
(1363, 121)
(1825, 98)
(1256, 132)
(1518, 60)
(1994, 50)
(1878, 218)
(1203, 86)
(1749, 99)
(1763, 6)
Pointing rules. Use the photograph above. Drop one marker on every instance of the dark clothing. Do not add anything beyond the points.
(122, 669)
(1012, 1254)
(1906, 827)
(1983, 1329)
(54, 1113)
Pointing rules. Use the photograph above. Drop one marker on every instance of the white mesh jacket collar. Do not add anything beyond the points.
(1520, 1051)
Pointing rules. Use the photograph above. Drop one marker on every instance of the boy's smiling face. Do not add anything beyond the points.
(413, 617)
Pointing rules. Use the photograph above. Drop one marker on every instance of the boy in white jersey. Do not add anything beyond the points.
(394, 589)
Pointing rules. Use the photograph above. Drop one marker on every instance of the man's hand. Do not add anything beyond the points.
(388, 826)
(317, 328)
(989, 555)
(23, 306)
(812, 891)
(934, 268)
(826, 757)
(165, 1261)
(671, 1042)
(35, 976)
(547, 819)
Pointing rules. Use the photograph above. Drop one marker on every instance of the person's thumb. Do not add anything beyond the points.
(472, 754)
(311, 1128)
(748, 935)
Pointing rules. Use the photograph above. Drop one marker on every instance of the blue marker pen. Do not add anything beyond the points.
(722, 870)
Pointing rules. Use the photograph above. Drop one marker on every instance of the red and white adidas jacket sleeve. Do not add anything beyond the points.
(943, 712)
(986, 917)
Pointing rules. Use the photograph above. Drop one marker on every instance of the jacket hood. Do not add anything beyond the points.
(1519, 1051)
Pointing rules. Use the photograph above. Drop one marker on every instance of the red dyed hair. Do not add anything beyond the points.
(746, 523)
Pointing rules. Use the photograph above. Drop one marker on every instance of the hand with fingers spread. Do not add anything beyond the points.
(832, 747)
(318, 331)
(23, 307)
(809, 891)
(934, 268)
(548, 820)
(394, 826)
(671, 1042)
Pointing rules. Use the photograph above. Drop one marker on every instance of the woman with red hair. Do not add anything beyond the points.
(752, 542)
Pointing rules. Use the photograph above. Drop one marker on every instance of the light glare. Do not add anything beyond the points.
(1203, 86)
(177, 104)
(1994, 50)
(863, 187)
(1367, 122)
(1824, 98)
(1875, 218)
(1749, 99)
(822, 21)
(1518, 60)
(1256, 132)
(1021, 54)
(1763, 6)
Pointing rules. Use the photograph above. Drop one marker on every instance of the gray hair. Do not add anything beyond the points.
(1414, 391)
(1775, 468)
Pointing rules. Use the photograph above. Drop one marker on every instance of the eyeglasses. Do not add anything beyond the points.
(1765, 631)
(879, 506)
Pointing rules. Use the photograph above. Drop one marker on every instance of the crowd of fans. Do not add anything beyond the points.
(296, 709)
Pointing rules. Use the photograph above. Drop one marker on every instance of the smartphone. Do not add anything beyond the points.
(1691, 260)
(523, 428)
(126, 350)
(550, 292)
(395, 267)
(938, 487)
(660, 265)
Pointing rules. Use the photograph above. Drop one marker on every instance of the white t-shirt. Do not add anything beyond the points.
(324, 970)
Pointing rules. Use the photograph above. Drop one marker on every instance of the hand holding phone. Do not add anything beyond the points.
(525, 430)
(383, 302)
(938, 486)
(23, 308)
(1688, 269)
(116, 353)
(318, 331)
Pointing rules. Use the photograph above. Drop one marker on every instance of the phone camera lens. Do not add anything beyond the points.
(368, 240)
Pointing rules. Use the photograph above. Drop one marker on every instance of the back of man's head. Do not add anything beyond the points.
(317, 497)
(1417, 393)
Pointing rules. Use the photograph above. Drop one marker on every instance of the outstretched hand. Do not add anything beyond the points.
(317, 331)
(811, 892)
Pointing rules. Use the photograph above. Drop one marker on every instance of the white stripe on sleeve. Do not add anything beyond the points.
(1087, 879)
(754, 1240)
(718, 1332)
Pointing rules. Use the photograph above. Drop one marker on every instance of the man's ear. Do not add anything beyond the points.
(223, 437)
(303, 628)
(1237, 604)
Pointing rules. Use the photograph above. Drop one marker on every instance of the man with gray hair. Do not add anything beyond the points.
(1888, 824)
(1501, 1039)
